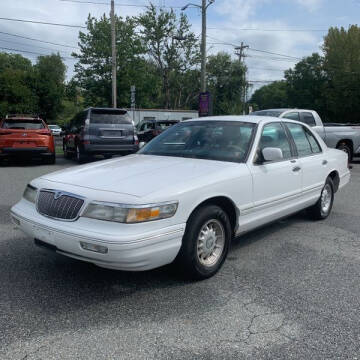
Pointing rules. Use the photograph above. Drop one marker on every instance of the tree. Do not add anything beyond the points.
(307, 85)
(342, 65)
(271, 96)
(50, 87)
(93, 70)
(17, 83)
(226, 83)
(173, 48)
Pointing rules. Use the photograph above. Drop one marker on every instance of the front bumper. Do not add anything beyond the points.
(129, 248)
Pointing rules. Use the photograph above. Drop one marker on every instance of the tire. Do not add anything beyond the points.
(80, 156)
(322, 209)
(107, 156)
(347, 149)
(67, 155)
(50, 160)
(205, 227)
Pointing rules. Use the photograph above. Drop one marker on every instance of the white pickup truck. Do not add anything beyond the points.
(339, 136)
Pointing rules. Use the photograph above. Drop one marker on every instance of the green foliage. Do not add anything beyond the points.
(342, 65)
(31, 89)
(174, 49)
(270, 96)
(226, 83)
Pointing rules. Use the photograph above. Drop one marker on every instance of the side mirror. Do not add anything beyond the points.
(272, 154)
(141, 144)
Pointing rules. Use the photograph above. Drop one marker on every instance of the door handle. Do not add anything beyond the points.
(324, 162)
(293, 161)
(296, 168)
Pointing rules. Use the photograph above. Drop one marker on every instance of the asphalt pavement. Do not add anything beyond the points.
(287, 291)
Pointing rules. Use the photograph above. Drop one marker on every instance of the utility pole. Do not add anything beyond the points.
(113, 54)
(239, 51)
(203, 47)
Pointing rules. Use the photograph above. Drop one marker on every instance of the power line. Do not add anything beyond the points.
(267, 30)
(32, 52)
(116, 4)
(43, 23)
(273, 53)
(43, 41)
(23, 44)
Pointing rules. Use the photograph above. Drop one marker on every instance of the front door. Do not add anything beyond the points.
(276, 185)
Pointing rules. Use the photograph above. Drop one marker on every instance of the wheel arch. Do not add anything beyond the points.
(334, 175)
(226, 204)
(347, 142)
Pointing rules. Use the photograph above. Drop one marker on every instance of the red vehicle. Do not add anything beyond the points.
(26, 136)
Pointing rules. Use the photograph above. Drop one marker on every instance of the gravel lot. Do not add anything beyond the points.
(287, 291)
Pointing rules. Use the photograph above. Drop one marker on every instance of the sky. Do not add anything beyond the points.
(291, 28)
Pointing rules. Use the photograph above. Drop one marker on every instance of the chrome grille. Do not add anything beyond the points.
(59, 205)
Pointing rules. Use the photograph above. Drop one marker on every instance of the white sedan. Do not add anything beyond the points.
(185, 195)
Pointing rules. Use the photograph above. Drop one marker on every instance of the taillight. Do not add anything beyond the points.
(136, 140)
(85, 142)
(2, 132)
(48, 133)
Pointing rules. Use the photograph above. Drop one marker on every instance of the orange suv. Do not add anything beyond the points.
(26, 136)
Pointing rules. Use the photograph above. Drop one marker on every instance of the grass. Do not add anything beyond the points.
(59, 150)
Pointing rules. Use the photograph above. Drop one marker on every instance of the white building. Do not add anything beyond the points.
(139, 115)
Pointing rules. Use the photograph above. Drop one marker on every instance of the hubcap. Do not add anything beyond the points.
(210, 243)
(326, 197)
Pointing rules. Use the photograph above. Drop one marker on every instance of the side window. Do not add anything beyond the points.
(274, 135)
(308, 118)
(301, 140)
(315, 147)
(150, 126)
(142, 127)
(292, 116)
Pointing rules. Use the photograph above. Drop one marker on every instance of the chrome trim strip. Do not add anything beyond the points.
(96, 239)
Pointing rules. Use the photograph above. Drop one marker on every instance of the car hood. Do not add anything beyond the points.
(137, 175)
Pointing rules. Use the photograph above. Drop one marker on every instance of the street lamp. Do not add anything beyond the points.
(205, 4)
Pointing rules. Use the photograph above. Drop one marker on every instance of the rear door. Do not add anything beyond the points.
(110, 127)
(311, 158)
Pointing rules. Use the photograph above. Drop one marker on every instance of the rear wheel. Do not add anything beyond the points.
(322, 209)
(67, 154)
(347, 149)
(205, 243)
(107, 156)
(50, 159)
(80, 156)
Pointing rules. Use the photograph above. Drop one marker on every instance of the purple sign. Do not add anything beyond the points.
(204, 104)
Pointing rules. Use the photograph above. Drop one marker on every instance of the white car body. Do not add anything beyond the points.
(55, 130)
(259, 194)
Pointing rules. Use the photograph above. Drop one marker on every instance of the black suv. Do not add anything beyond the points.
(104, 131)
(148, 129)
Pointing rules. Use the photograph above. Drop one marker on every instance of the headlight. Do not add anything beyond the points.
(129, 214)
(30, 193)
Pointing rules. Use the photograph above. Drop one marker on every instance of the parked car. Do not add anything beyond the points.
(338, 136)
(185, 195)
(148, 129)
(55, 130)
(103, 131)
(26, 136)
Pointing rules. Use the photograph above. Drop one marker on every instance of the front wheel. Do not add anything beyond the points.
(205, 243)
(322, 209)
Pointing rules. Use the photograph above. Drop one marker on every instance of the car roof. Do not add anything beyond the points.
(282, 110)
(241, 118)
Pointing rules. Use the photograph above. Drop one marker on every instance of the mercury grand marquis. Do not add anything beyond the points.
(184, 196)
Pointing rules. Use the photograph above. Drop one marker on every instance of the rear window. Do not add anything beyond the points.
(109, 117)
(23, 124)
(165, 124)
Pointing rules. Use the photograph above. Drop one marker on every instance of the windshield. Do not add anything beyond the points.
(25, 125)
(275, 113)
(109, 117)
(211, 140)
